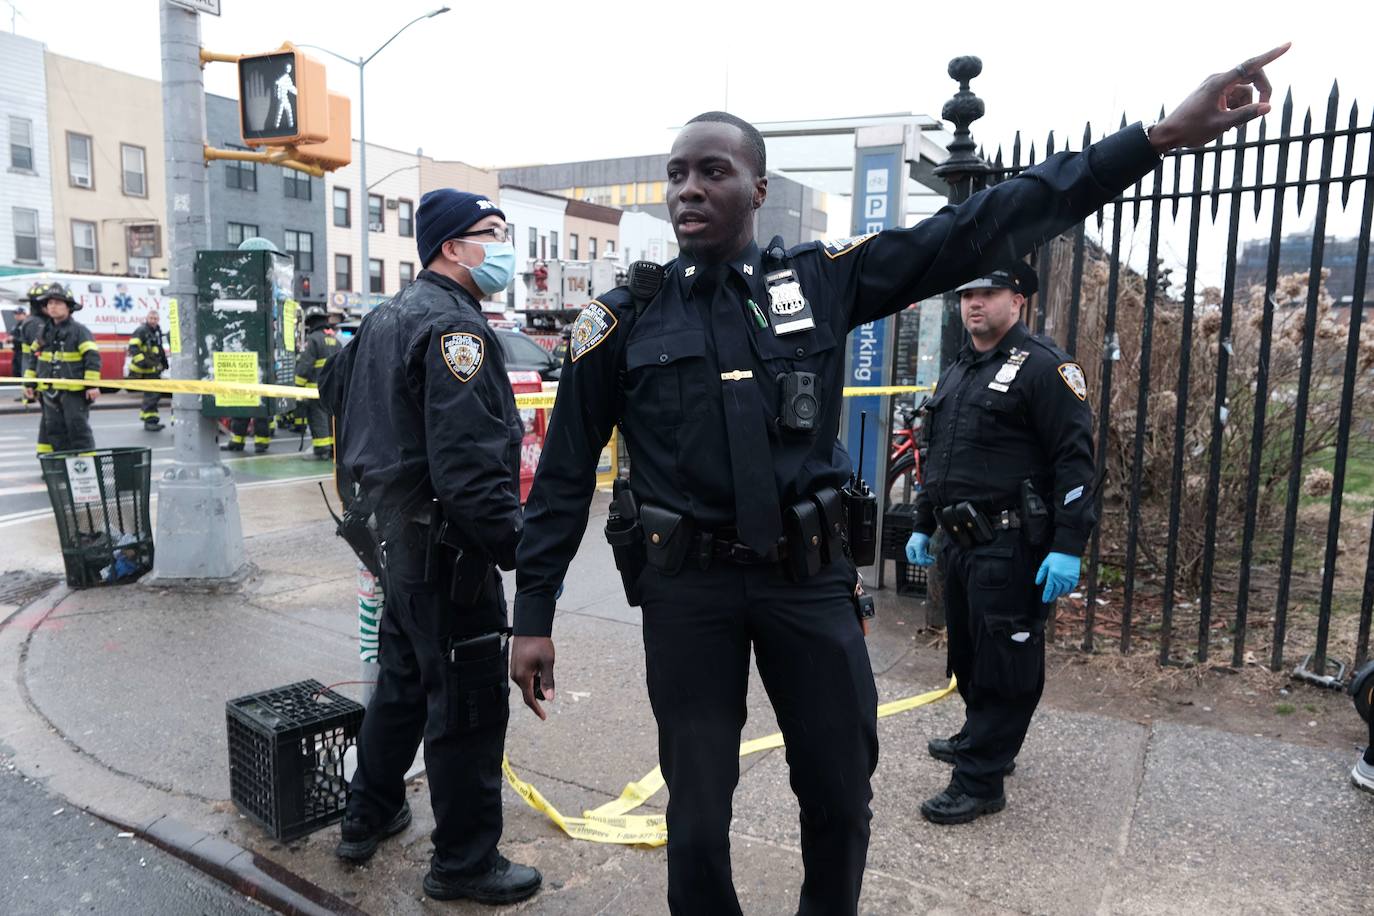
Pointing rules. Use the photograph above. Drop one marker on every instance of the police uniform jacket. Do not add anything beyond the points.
(1018, 412)
(428, 411)
(67, 351)
(147, 356)
(320, 346)
(659, 377)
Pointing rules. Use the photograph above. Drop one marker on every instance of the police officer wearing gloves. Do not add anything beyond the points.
(734, 477)
(321, 345)
(147, 361)
(429, 430)
(1008, 474)
(67, 351)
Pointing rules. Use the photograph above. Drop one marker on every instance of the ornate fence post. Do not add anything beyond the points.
(966, 173)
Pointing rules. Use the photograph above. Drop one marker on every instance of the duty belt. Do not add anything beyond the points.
(970, 527)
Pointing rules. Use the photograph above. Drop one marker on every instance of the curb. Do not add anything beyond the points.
(252, 875)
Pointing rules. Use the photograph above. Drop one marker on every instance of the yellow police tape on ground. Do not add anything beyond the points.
(530, 401)
(612, 822)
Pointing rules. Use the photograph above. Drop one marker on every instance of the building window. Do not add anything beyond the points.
(84, 253)
(301, 247)
(534, 242)
(374, 276)
(375, 220)
(21, 143)
(343, 208)
(240, 231)
(343, 272)
(572, 245)
(591, 248)
(134, 162)
(553, 244)
(407, 273)
(296, 184)
(25, 235)
(405, 217)
(242, 176)
(543, 247)
(79, 173)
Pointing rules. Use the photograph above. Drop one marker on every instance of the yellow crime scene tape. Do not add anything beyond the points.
(528, 401)
(613, 823)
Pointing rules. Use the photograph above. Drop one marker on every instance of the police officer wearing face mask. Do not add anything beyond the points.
(1008, 474)
(429, 433)
(726, 381)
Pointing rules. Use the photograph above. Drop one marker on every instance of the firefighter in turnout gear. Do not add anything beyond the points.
(321, 345)
(241, 427)
(67, 351)
(31, 334)
(147, 361)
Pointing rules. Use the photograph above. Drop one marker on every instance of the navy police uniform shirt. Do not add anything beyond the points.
(428, 411)
(657, 374)
(1017, 412)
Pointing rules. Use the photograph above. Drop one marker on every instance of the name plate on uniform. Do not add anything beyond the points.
(788, 310)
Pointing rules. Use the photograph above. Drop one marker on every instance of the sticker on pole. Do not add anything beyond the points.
(84, 480)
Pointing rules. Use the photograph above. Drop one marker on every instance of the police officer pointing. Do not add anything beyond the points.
(429, 432)
(726, 380)
(1008, 473)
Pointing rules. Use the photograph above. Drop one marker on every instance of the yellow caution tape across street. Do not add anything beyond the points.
(613, 823)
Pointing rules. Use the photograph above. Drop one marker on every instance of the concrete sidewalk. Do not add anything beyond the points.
(116, 698)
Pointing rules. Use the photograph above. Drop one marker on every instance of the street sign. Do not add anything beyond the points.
(210, 7)
(282, 99)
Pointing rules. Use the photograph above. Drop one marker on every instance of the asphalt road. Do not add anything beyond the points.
(59, 859)
(22, 490)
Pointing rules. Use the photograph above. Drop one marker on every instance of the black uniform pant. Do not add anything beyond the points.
(66, 420)
(460, 709)
(809, 646)
(996, 628)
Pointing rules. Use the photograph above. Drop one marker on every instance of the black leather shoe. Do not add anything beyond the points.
(504, 882)
(954, 807)
(358, 840)
(943, 749)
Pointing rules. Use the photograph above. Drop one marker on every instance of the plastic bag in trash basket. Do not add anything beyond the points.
(125, 561)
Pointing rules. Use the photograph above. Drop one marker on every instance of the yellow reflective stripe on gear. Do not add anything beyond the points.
(63, 356)
(321, 443)
(91, 375)
(30, 373)
(87, 345)
(26, 348)
(44, 448)
(319, 363)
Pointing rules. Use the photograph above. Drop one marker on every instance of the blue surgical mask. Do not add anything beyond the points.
(497, 268)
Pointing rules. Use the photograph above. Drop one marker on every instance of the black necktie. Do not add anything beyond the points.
(757, 515)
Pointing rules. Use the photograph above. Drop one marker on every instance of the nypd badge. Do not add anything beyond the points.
(463, 354)
(593, 325)
(1072, 374)
(787, 304)
(836, 247)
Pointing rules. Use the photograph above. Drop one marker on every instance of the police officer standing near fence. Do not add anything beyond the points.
(1008, 474)
(147, 362)
(429, 431)
(726, 380)
(68, 351)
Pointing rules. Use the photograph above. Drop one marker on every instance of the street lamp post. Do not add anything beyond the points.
(364, 208)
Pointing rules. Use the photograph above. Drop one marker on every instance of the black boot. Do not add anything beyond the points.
(955, 807)
(943, 749)
(504, 882)
(231, 447)
(152, 425)
(358, 839)
(324, 453)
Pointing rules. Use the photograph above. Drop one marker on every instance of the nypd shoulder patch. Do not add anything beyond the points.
(593, 325)
(836, 247)
(462, 354)
(1072, 374)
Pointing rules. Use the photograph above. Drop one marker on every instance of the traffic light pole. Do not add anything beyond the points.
(199, 534)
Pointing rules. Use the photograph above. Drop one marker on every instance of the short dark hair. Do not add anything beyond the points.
(752, 137)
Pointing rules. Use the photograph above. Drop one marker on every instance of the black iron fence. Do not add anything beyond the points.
(1235, 425)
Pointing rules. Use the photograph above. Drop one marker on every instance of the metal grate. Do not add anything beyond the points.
(19, 588)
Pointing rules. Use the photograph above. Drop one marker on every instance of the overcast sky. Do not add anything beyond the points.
(529, 82)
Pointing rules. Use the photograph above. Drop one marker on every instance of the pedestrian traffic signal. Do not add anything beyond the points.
(282, 98)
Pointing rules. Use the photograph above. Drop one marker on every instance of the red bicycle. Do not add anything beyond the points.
(903, 459)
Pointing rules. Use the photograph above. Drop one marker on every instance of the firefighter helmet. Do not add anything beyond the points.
(58, 291)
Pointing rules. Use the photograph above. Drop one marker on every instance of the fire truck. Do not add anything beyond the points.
(112, 307)
(555, 291)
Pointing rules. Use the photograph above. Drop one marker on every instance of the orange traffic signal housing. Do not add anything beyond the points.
(337, 151)
(282, 98)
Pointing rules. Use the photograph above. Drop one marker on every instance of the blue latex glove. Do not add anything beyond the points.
(560, 591)
(1059, 575)
(918, 550)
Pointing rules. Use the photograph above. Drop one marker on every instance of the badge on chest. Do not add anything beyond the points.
(788, 310)
(1007, 373)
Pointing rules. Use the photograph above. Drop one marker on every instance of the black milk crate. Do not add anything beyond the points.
(898, 522)
(913, 580)
(286, 756)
